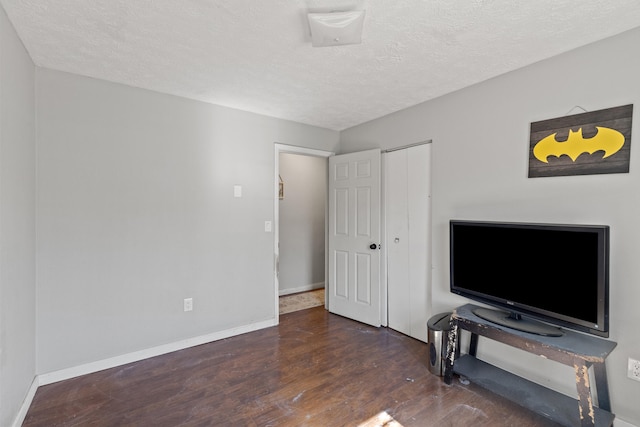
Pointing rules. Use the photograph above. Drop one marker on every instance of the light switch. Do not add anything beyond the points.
(237, 191)
(267, 226)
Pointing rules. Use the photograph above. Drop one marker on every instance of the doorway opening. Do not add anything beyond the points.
(300, 226)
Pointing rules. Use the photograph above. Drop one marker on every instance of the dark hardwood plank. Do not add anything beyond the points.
(314, 369)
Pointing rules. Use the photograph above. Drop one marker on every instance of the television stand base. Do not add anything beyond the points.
(521, 324)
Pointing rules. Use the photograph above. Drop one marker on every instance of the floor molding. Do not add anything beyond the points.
(88, 368)
(26, 403)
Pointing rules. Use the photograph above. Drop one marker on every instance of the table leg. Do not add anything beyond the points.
(587, 414)
(602, 386)
(473, 345)
(452, 339)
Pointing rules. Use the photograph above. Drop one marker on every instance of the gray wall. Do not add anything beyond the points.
(136, 212)
(480, 148)
(136, 208)
(302, 222)
(17, 222)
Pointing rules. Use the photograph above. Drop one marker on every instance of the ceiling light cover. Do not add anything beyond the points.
(336, 28)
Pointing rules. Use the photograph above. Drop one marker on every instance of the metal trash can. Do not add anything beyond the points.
(437, 338)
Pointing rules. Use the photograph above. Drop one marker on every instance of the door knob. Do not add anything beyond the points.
(396, 240)
(373, 246)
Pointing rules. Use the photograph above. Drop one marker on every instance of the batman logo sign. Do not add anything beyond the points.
(608, 140)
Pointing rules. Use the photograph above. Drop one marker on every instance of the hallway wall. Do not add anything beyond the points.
(302, 222)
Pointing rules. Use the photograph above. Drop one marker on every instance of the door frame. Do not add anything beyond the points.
(293, 149)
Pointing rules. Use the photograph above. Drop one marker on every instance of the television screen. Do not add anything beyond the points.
(552, 272)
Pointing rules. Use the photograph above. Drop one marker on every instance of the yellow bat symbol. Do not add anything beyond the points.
(608, 140)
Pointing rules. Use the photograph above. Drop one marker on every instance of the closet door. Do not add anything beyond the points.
(408, 227)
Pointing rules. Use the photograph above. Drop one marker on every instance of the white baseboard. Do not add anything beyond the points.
(305, 288)
(619, 423)
(22, 413)
(88, 368)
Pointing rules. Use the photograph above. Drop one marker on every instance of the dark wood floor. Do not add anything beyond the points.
(314, 369)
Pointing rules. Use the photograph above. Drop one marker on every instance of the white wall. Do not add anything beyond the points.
(137, 212)
(480, 148)
(302, 222)
(17, 223)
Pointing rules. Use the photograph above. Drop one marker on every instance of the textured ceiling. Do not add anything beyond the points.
(256, 55)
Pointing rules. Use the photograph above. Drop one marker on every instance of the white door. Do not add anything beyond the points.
(407, 217)
(354, 236)
(397, 238)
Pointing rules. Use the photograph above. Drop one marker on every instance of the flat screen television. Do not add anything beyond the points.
(555, 273)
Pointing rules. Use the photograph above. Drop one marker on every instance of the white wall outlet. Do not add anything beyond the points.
(188, 304)
(634, 369)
